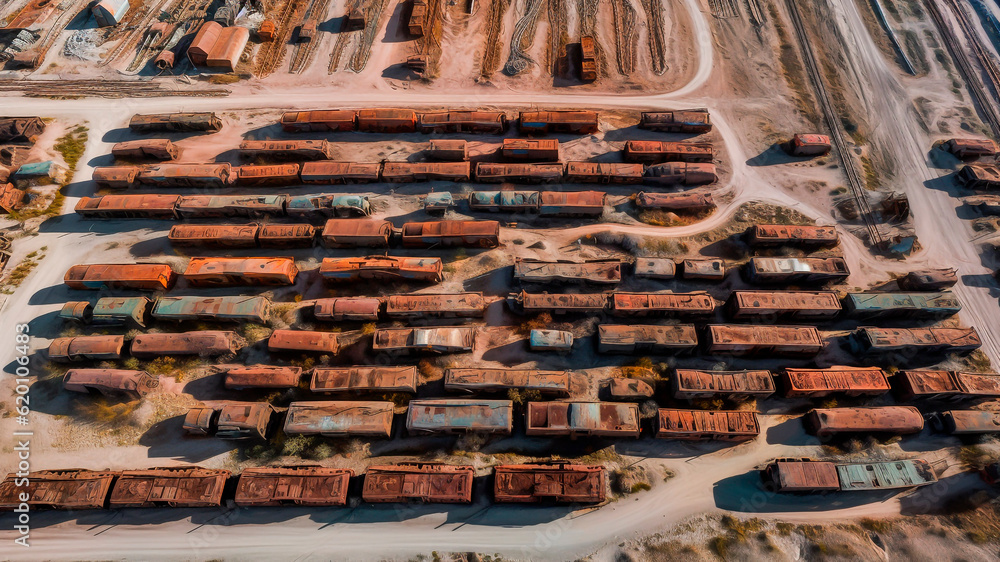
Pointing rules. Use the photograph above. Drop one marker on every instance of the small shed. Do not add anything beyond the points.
(110, 12)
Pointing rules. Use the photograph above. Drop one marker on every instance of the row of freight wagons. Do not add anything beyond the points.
(169, 175)
(193, 486)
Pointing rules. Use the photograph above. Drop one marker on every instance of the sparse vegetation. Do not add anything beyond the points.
(72, 146)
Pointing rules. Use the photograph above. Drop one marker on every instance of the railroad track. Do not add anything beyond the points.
(837, 134)
(494, 27)
(654, 24)
(976, 87)
(724, 8)
(138, 23)
(518, 59)
(625, 16)
(270, 55)
(303, 52)
(101, 88)
(755, 12)
(364, 50)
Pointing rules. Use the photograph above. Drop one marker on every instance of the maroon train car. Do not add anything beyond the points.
(57, 489)
(817, 383)
(303, 340)
(364, 379)
(424, 482)
(171, 487)
(151, 206)
(654, 152)
(560, 482)
(204, 343)
(140, 276)
(700, 425)
(481, 234)
(333, 120)
(262, 376)
(86, 348)
(355, 309)
(293, 485)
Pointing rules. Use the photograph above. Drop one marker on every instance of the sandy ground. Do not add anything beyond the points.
(738, 87)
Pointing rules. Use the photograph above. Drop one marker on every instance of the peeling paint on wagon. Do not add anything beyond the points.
(267, 176)
(317, 149)
(735, 339)
(222, 309)
(930, 340)
(223, 272)
(332, 120)
(293, 485)
(141, 276)
(655, 152)
(303, 340)
(481, 234)
(697, 121)
(262, 376)
(86, 348)
(454, 415)
(591, 419)
(679, 338)
(355, 309)
(499, 380)
(113, 311)
(660, 304)
(437, 340)
(353, 233)
(204, 343)
(715, 425)
(798, 305)
(689, 384)
(900, 420)
(792, 235)
(557, 303)
(214, 235)
(382, 268)
(158, 149)
(550, 482)
(484, 122)
(604, 172)
(111, 382)
(57, 489)
(328, 173)
(817, 383)
(339, 419)
(445, 305)
(680, 173)
(597, 272)
(424, 482)
(171, 486)
(945, 385)
(574, 122)
(364, 379)
(128, 207)
(175, 122)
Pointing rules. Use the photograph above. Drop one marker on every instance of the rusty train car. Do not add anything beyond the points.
(218, 309)
(86, 348)
(356, 309)
(334, 120)
(175, 123)
(763, 235)
(690, 384)
(128, 207)
(559, 482)
(449, 233)
(506, 172)
(678, 338)
(293, 485)
(502, 380)
(944, 385)
(596, 272)
(810, 476)
(449, 305)
(327, 172)
(355, 233)
(504, 201)
(387, 120)
(261, 376)
(382, 268)
(760, 270)
(229, 272)
(970, 148)
(267, 176)
(423, 482)
(115, 177)
(140, 276)
(573, 122)
(655, 152)
(660, 304)
(588, 59)
(557, 303)
(113, 383)
(226, 206)
(967, 422)
(57, 489)
(339, 419)
(243, 236)
(204, 343)
(530, 150)
(731, 339)
(364, 379)
(604, 172)
(680, 173)
(704, 425)
(817, 383)
(928, 340)
(405, 172)
(984, 177)
(169, 486)
(441, 339)
(928, 280)
(697, 121)
(230, 420)
(286, 149)
(153, 149)
(898, 420)
(585, 419)
(910, 305)
(303, 341)
(451, 150)
(185, 175)
(785, 305)
(459, 415)
(484, 122)
(677, 202)
(571, 203)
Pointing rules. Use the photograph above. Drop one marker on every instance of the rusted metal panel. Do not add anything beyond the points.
(680, 173)
(223, 272)
(593, 419)
(967, 422)
(506, 201)
(697, 121)
(293, 485)
(221, 309)
(262, 376)
(945, 385)
(659, 304)
(80, 312)
(329, 173)
(911, 305)
(230, 420)
(186, 175)
(808, 144)
(204, 343)
(799, 305)
(655, 268)
(621, 388)
(121, 311)
(707, 269)
(382, 268)
(333, 120)
(111, 382)
(571, 203)
(175, 122)
(928, 280)
(386, 120)
(816, 383)
(482, 234)
(654, 152)
(21, 129)
(401, 172)
(453, 415)
(364, 379)
(795, 270)
(690, 384)
(887, 475)
(423, 482)
(792, 235)
(339, 419)
(156, 149)
(447, 305)
(603, 172)
(57, 489)
(303, 340)
(214, 235)
(485, 122)
(128, 207)
(455, 339)
(267, 176)
(115, 177)
(550, 340)
(530, 150)
(286, 235)
(733, 339)
(353, 233)
(557, 303)
(451, 150)
(801, 475)
(970, 148)
(550, 482)
(500, 380)
(86, 348)
(882, 340)
(318, 149)
(675, 201)
(880, 419)
(679, 338)
(505, 172)
(358, 309)
(575, 122)
(171, 486)
(597, 272)
(142, 276)
(715, 425)
(223, 206)
(11, 198)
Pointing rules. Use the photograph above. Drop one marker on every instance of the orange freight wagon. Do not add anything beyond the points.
(267, 176)
(944, 385)
(142, 276)
(482, 234)
(423, 482)
(303, 340)
(364, 379)
(382, 268)
(223, 272)
(604, 172)
(326, 172)
(156, 149)
(57, 489)
(86, 348)
(115, 177)
(484, 122)
(293, 485)
(334, 120)
(690, 384)
(654, 152)
(817, 383)
(262, 376)
(128, 207)
(214, 235)
(792, 235)
(530, 150)
(549, 482)
(574, 122)
(648, 304)
(204, 343)
(734, 339)
(356, 309)
(899, 420)
(387, 120)
(355, 233)
(176, 486)
(716, 425)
